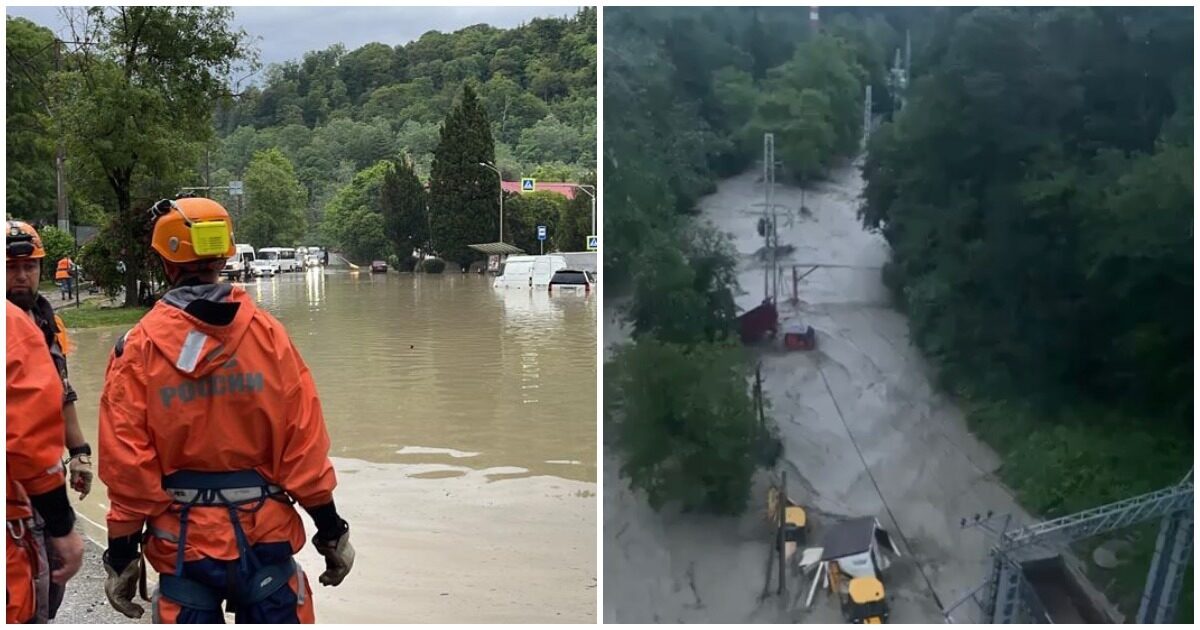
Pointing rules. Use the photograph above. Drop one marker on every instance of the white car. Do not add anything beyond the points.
(262, 267)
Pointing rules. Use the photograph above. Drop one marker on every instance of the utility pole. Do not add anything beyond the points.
(769, 220)
(60, 158)
(867, 117)
(500, 179)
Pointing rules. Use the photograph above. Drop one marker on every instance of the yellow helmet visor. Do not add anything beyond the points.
(210, 238)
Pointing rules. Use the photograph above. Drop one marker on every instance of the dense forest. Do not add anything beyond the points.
(1033, 176)
(337, 112)
(310, 138)
(1037, 194)
(705, 83)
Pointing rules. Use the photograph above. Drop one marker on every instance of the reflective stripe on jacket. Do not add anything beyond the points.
(182, 393)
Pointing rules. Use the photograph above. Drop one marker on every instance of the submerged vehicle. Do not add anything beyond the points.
(854, 555)
(571, 281)
(523, 272)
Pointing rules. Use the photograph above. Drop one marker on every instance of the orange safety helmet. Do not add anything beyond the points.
(192, 229)
(22, 241)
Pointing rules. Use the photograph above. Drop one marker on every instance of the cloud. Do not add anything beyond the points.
(286, 33)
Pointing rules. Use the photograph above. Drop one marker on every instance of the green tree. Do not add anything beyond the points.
(275, 202)
(139, 104)
(58, 245)
(29, 148)
(524, 212)
(353, 222)
(575, 221)
(405, 206)
(463, 205)
(685, 294)
(684, 423)
(550, 140)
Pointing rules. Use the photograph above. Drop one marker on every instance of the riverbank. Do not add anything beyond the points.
(465, 549)
(438, 544)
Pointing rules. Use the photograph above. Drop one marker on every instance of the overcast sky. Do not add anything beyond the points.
(288, 32)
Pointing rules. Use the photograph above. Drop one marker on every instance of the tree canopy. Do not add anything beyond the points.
(143, 103)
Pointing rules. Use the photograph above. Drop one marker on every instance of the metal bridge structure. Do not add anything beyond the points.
(1007, 597)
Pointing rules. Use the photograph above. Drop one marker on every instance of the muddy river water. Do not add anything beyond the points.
(865, 433)
(463, 428)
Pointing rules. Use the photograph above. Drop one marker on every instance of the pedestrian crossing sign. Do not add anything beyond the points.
(527, 184)
(593, 242)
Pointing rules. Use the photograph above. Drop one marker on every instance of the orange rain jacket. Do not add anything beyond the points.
(35, 434)
(63, 270)
(185, 394)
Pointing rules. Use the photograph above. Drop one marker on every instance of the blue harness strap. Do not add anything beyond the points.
(192, 488)
(188, 593)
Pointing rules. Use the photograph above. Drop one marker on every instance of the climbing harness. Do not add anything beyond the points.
(239, 492)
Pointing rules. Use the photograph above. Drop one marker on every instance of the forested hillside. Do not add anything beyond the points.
(304, 131)
(688, 94)
(705, 84)
(1037, 194)
(337, 112)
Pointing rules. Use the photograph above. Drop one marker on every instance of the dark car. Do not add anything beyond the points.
(572, 281)
(379, 266)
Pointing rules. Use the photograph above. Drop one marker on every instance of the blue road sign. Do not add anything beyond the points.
(541, 232)
(593, 242)
(528, 184)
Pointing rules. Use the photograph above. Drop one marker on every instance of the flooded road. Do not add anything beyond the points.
(463, 428)
(865, 433)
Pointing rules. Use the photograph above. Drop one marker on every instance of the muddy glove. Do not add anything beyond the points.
(121, 587)
(339, 557)
(80, 467)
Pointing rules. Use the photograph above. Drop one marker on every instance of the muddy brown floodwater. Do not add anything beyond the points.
(865, 433)
(464, 434)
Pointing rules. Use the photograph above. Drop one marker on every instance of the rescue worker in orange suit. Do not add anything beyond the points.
(210, 429)
(64, 276)
(33, 470)
(23, 263)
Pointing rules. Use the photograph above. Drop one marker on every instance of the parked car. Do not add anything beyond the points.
(379, 266)
(264, 267)
(571, 281)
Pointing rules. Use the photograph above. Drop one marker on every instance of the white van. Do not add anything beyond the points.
(523, 272)
(285, 256)
(237, 267)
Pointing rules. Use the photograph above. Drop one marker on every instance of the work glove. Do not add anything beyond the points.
(121, 587)
(80, 468)
(339, 558)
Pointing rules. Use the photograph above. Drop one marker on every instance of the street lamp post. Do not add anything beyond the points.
(501, 184)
